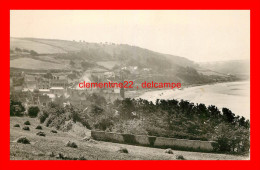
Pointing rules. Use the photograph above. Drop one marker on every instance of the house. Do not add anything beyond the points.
(44, 91)
(30, 81)
(43, 83)
(77, 97)
(44, 100)
(59, 83)
(57, 90)
(18, 88)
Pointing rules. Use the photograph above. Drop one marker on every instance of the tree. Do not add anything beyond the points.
(228, 115)
(33, 111)
(16, 108)
(18, 49)
(72, 63)
(33, 53)
(213, 111)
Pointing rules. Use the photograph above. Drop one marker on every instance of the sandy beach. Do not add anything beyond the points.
(232, 95)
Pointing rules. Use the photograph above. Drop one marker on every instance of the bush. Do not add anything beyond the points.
(54, 131)
(222, 144)
(169, 151)
(51, 154)
(16, 125)
(180, 157)
(33, 111)
(123, 150)
(16, 108)
(23, 140)
(38, 127)
(82, 158)
(27, 123)
(72, 144)
(41, 134)
(232, 139)
(26, 128)
(60, 156)
(43, 116)
(33, 53)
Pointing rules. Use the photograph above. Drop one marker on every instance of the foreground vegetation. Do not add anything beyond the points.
(165, 118)
(53, 146)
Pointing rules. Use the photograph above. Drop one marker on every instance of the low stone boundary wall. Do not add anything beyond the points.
(153, 141)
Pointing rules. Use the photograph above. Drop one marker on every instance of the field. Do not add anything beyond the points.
(29, 63)
(40, 147)
(108, 64)
(39, 47)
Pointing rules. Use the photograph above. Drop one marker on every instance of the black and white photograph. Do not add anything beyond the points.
(129, 84)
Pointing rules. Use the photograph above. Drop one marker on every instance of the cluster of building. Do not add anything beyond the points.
(42, 88)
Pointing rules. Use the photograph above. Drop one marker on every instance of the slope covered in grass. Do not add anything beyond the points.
(33, 64)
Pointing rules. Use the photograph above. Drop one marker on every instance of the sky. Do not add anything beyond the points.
(199, 35)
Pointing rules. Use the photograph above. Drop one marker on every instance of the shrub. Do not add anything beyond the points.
(33, 53)
(33, 111)
(27, 123)
(231, 139)
(123, 150)
(169, 151)
(82, 158)
(26, 128)
(54, 131)
(72, 144)
(16, 125)
(43, 116)
(60, 156)
(51, 154)
(38, 127)
(180, 157)
(41, 134)
(222, 144)
(16, 108)
(23, 140)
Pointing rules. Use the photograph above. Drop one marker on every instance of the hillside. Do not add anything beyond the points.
(96, 51)
(234, 67)
(25, 63)
(140, 63)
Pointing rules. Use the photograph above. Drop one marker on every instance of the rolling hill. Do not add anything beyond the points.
(43, 54)
(97, 51)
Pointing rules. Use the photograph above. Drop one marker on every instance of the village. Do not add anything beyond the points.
(42, 88)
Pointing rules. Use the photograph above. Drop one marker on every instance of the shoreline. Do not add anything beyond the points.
(233, 95)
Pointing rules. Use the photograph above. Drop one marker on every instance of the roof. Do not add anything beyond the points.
(44, 90)
(26, 89)
(51, 96)
(56, 88)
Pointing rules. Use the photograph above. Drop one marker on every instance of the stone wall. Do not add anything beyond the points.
(153, 141)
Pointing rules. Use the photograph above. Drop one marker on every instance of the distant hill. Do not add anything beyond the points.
(62, 54)
(98, 51)
(239, 68)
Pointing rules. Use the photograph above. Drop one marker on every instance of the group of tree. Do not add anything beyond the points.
(19, 50)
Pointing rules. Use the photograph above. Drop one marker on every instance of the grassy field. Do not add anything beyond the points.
(39, 47)
(29, 63)
(108, 64)
(40, 146)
